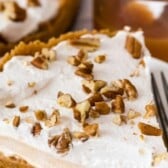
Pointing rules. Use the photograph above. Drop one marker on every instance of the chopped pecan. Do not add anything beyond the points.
(40, 115)
(81, 136)
(81, 111)
(53, 119)
(130, 90)
(73, 60)
(93, 85)
(102, 107)
(100, 59)
(133, 46)
(150, 110)
(133, 114)
(91, 129)
(36, 129)
(118, 105)
(40, 63)
(66, 100)
(94, 113)
(16, 121)
(119, 119)
(97, 97)
(87, 43)
(31, 84)
(61, 142)
(48, 54)
(82, 56)
(33, 3)
(149, 130)
(82, 73)
(14, 12)
(23, 109)
(10, 104)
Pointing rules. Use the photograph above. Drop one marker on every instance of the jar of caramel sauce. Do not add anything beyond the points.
(150, 15)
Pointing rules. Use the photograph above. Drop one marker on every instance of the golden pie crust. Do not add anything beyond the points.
(59, 24)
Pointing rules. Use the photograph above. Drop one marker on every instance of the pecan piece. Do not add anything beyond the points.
(133, 114)
(10, 104)
(102, 107)
(36, 129)
(66, 100)
(119, 119)
(130, 90)
(91, 129)
(150, 110)
(53, 119)
(149, 130)
(40, 115)
(14, 12)
(100, 59)
(118, 105)
(81, 111)
(133, 46)
(73, 60)
(97, 97)
(23, 109)
(16, 121)
(33, 3)
(40, 63)
(81, 136)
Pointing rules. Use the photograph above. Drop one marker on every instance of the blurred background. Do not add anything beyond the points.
(149, 15)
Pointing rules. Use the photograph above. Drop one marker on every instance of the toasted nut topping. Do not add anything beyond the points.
(142, 63)
(118, 105)
(133, 114)
(40, 63)
(119, 119)
(135, 73)
(36, 129)
(88, 44)
(150, 110)
(31, 84)
(73, 61)
(112, 91)
(48, 54)
(81, 111)
(53, 119)
(14, 12)
(150, 130)
(93, 85)
(94, 114)
(66, 100)
(82, 73)
(133, 46)
(86, 67)
(81, 136)
(97, 97)
(100, 59)
(23, 109)
(91, 129)
(33, 3)
(16, 121)
(102, 107)
(10, 104)
(40, 115)
(61, 142)
(82, 56)
(157, 158)
(130, 90)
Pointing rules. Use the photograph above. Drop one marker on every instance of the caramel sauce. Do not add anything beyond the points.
(115, 14)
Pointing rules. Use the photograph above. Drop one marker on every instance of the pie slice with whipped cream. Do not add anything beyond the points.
(82, 100)
(27, 20)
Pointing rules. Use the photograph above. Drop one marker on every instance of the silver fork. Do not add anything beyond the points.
(163, 116)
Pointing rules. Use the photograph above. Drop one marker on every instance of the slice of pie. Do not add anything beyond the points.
(27, 20)
(82, 100)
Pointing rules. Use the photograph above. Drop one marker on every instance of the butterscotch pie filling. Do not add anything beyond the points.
(80, 103)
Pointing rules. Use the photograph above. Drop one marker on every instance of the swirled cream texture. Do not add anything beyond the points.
(116, 146)
(14, 31)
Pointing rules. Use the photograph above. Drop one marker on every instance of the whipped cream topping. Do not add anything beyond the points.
(14, 31)
(116, 146)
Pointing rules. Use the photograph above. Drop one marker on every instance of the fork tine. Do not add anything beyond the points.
(160, 108)
(165, 85)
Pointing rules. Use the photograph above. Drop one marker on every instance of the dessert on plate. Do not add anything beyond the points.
(81, 100)
(28, 20)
